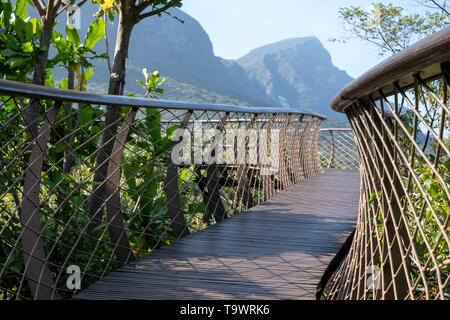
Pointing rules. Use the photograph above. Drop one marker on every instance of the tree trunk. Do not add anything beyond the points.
(116, 87)
(32, 114)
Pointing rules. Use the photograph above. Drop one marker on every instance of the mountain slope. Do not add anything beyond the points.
(299, 69)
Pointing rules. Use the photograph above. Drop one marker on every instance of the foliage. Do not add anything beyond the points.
(388, 27)
(77, 56)
(19, 41)
(152, 84)
(68, 167)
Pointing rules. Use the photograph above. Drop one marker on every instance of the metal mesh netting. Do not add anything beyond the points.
(401, 245)
(92, 194)
(337, 149)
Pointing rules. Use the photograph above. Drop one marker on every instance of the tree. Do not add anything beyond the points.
(391, 30)
(21, 47)
(76, 56)
(130, 13)
(48, 12)
(388, 27)
(19, 41)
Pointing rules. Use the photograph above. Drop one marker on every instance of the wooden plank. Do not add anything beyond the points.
(277, 250)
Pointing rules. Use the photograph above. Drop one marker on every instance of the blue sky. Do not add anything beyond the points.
(238, 26)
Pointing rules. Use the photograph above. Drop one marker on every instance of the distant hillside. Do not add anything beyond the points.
(298, 69)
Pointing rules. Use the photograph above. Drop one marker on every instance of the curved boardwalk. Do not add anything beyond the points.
(277, 250)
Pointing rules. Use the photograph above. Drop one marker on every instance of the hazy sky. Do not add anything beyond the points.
(238, 26)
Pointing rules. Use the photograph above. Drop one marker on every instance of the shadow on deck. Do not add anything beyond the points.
(276, 250)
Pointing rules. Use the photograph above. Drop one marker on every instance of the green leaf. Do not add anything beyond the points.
(86, 115)
(95, 33)
(151, 190)
(100, 228)
(21, 30)
(167, 143)
(111, 15)
(17, 63)
(373, 196)
(72, 35)
(153, 124)
(7, 11)
(184, 175)
(36, 26)
(63, 84)
(12, 53)
(88, 73)
(20, 11)
(28, 47)
(125, 110)
(10, 106)
(77, 201)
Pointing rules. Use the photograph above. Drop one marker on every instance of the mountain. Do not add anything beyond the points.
(298, 69)
(184, 52)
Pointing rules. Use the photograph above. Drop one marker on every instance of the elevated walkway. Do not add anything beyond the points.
(276, 250)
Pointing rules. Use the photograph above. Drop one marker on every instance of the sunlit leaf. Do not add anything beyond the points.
(20, 10)
(95, 33)
(72, 35)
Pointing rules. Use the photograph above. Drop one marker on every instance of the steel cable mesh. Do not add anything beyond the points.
(337, 149)
(59, 209)
(401, 245)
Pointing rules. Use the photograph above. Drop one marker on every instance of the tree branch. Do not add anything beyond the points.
(40, 7)
(57, 4)
(108, 58)
(373, 42)
(385, 41)
(365, 38)
(443, 7)
(440, 6)
(69, 4)
(157, 11)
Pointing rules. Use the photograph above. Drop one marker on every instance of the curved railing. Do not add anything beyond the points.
(399, 113)
(337, 149)
(170, 169)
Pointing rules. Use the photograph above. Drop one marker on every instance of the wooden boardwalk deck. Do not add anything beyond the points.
(277, 250)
